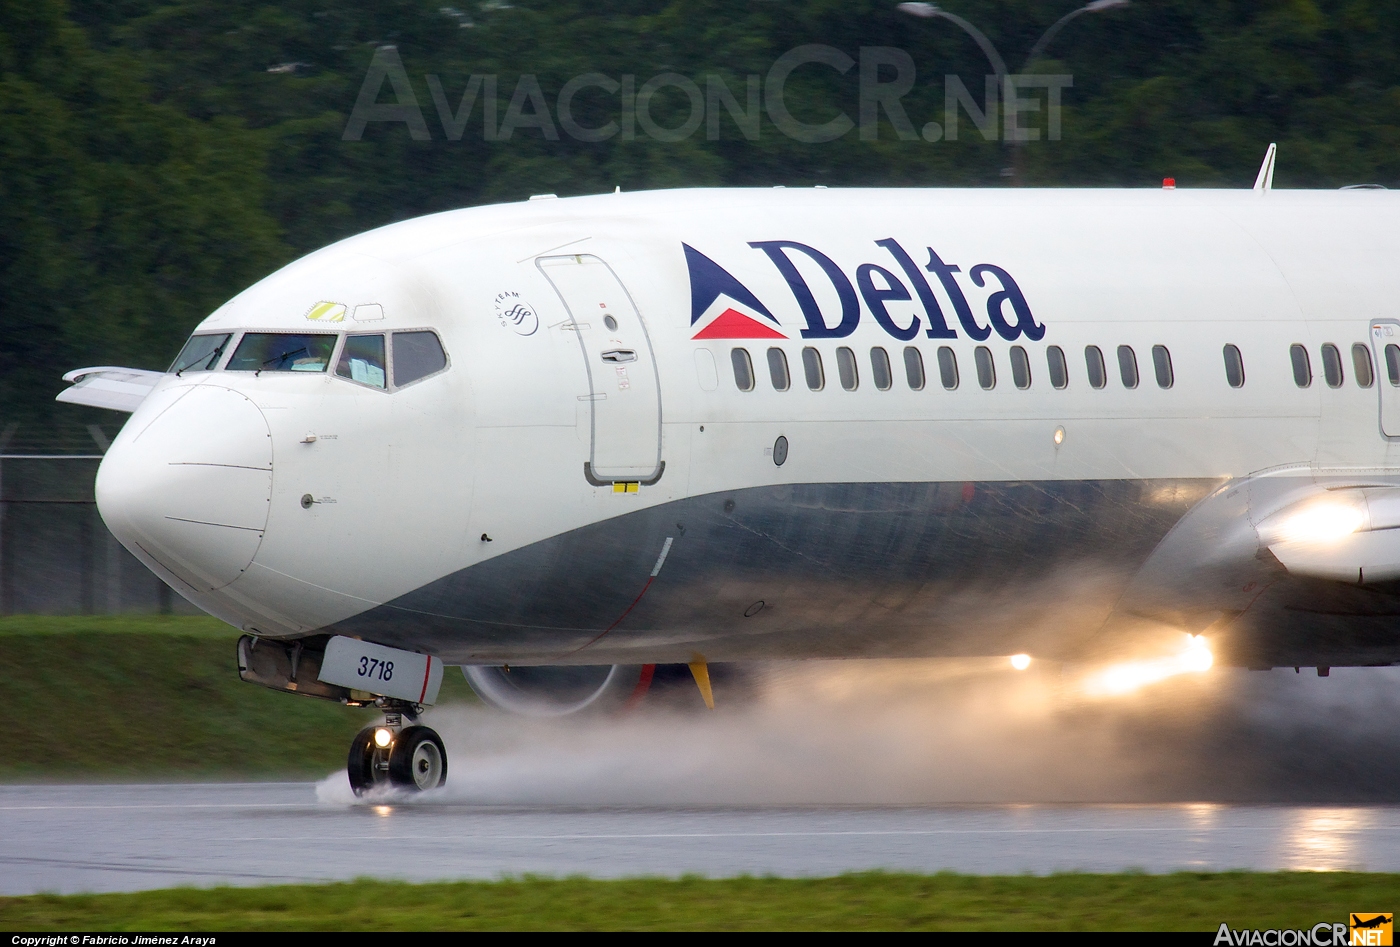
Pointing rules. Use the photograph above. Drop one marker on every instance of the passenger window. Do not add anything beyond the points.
(986, 368)
(812, 368)
(743, 369)
(947, 367)
(1020, 367)
(1302, 365)
(846, 368)
(362, 360)
(1361, 365)
(1093, 362)
(1392, 364)
(1059, 368)
(1332, 365)
(200, 354)
(778, 369)
(1162, 366)
(1127, 366)
(282, 352)
(416, 355)
(880, 368)
(1234, 366)
(914, 367)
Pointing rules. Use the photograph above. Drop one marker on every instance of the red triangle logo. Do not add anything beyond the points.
(732, 324)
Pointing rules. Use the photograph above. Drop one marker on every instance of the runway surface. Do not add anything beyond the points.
(126, 838)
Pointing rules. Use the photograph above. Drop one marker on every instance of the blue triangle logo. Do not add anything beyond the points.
(709, 281)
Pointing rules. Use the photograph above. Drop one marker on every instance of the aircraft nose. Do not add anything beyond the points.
(192, 487)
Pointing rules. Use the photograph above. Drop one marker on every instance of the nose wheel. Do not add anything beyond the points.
(412, 758)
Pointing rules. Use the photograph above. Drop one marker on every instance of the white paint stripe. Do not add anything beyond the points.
(661, 559)
(174, 805)
(600, 836)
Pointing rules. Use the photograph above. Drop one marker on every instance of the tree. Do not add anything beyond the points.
(122, 221)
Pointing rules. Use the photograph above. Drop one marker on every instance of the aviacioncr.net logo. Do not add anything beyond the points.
(1373, 929)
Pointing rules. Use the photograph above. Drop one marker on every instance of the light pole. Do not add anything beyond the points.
(930, 11)
(1095, 6)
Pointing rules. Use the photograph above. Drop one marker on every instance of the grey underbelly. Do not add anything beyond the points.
(808, 570)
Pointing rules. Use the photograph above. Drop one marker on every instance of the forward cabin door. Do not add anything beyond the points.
(1385, 345)
(624, 390)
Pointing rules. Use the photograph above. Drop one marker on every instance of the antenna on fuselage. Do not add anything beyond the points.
(1265, 180)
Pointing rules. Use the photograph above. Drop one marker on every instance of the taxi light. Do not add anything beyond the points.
(383, 737)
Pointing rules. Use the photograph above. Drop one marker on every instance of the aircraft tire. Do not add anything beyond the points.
(418, 760)
(359, 766)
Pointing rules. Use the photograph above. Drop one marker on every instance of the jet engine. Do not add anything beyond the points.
(1291, 566)
(557, 691)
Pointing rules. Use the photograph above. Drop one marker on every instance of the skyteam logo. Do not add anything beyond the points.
(714, 294)
(724, 308)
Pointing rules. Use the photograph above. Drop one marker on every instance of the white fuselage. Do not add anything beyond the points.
(292, 502)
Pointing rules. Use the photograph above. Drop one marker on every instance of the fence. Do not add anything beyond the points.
(56, 554)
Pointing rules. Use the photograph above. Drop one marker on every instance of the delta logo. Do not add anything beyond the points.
(713, 295)
(721, 307)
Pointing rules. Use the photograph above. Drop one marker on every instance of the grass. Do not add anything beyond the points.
(158, 697)
(870, 901)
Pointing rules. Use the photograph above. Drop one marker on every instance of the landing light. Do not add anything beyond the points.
(1020, 661)
(383, 737)
(1197, 656)
(1194, 658)
(1321, 523)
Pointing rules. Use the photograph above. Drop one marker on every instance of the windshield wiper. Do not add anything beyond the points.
(208, 360)
(279, 359)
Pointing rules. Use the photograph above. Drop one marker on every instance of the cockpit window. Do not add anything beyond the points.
(362, 360)
(282, 352)
(416, 355)
(200, 354)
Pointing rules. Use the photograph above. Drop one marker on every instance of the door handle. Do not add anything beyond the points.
(620, 355)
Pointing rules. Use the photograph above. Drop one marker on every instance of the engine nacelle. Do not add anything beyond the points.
(555, 691)
(1293, 566)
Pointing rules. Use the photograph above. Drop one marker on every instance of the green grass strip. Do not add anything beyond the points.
(158, 697)
(870, 901)
(198, 626)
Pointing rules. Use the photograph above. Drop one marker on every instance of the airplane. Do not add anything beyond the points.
(561, 441)
(1377, 920)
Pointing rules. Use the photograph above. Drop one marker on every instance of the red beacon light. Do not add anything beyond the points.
(1169, 184)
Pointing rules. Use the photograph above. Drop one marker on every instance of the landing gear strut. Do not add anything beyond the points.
(411, 757)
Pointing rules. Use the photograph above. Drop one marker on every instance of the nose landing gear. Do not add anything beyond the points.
(418, 760)
(411, 758)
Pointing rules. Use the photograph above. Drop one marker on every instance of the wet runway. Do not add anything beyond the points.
(126, 838)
